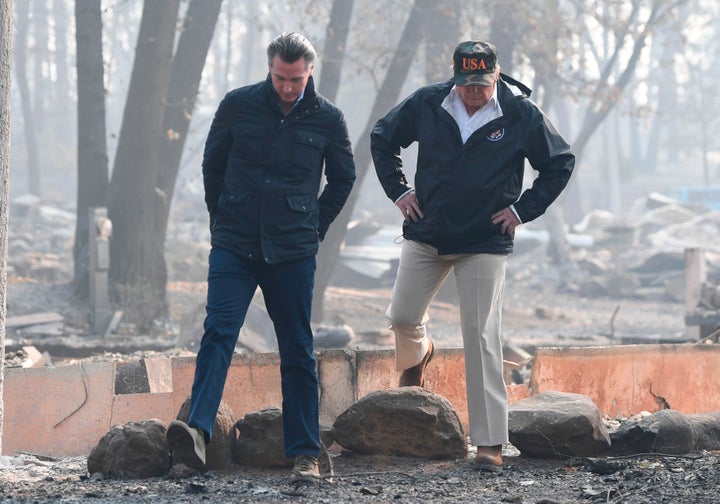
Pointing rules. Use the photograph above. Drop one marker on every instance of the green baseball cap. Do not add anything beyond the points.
(474, 63)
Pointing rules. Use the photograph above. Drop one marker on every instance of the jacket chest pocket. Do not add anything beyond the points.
(308, 150)
(248, 144)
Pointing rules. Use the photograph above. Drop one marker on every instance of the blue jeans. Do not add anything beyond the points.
(287, 289)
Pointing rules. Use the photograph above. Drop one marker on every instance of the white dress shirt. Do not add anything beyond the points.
(469, 124)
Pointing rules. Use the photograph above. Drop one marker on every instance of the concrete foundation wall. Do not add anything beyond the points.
(65, 410)
(625, 380)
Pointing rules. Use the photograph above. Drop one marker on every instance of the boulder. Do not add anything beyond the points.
(407, 421)
(668, 431)
(260, 442)
(557, 424)
(133, 450)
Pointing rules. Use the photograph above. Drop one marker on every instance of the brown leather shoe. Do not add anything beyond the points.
(415, 376)
(187, 444)
(489, 458)
(306, 468)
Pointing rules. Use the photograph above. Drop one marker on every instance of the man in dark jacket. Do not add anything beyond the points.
(474, 135)
(262, 169)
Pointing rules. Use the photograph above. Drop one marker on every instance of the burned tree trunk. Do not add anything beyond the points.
(5, 60)
(388, 94)
(441, 38)
(185, 74)
(333, 55)
(334, 52)
(20, 56)
(92, 157)
(136, 275)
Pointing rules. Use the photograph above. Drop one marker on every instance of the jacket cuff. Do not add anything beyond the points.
(404, 194)
(512, 207)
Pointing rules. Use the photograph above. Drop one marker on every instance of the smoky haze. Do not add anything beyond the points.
(629, 84)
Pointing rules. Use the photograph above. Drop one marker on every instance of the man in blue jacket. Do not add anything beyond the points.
(474, 135)
(262, 169)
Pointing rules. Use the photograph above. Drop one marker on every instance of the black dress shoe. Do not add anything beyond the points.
(415, 376)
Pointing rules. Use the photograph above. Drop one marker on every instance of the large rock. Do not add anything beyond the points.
(260, 441)
(218, 453)
(557, 424)
(661, 260)
(407, 421)
(668, 431)
(133, 450)
(333, 336)
(707, 430)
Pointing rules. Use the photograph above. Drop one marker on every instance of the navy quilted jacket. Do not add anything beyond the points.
(262, 173)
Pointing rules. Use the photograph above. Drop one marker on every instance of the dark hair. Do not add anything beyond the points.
(291, 46)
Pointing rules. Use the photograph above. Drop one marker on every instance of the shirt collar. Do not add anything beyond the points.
(467, 125)
(453, 99)
(309, 89)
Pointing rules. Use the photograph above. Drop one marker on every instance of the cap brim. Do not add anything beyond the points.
(474, 79)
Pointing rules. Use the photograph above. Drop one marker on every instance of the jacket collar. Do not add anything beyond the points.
(505, 96)
(508, 100)
(309, 95)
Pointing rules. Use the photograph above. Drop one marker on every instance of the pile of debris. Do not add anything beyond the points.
(640, 257)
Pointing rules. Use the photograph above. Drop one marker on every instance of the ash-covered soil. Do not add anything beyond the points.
(694, 478)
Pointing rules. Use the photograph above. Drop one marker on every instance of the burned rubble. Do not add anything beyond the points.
(643, 261)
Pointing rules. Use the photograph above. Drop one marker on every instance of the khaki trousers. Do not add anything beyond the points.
(480, 282)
